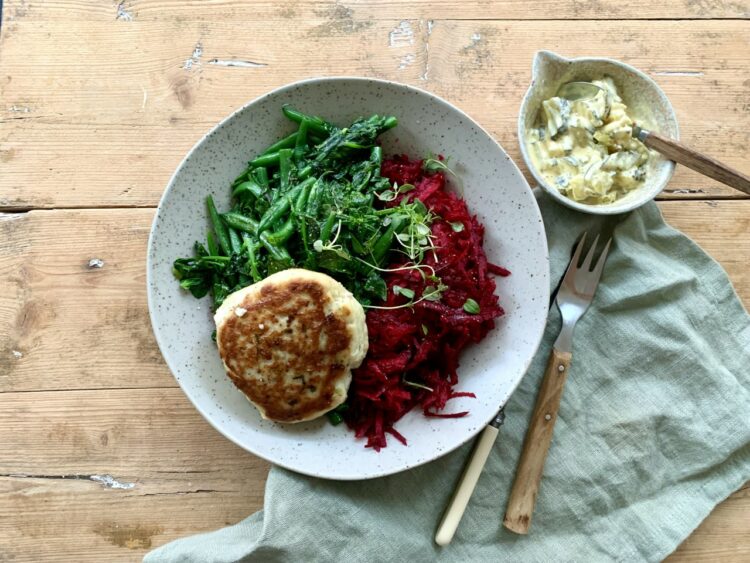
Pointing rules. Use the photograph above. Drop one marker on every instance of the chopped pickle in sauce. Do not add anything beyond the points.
(585, 148)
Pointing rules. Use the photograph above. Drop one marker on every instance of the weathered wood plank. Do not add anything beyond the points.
(103, 476)
(77, 327)
(64, 324)
(100, 113)
(343, 14)
(173, 475)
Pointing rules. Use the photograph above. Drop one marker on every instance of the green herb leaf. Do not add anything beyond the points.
(425, 330)
(405, 291)
(457, 227)
(471, 306)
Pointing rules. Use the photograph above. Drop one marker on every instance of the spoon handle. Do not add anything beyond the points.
(692, 159)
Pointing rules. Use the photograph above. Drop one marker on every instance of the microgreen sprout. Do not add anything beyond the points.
(434, 164)
(390, 195)
(416, 385)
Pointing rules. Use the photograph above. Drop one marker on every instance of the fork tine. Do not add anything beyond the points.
(586, 266)
(600, 264)
(593, 278)
(577, 254)
(573, 264)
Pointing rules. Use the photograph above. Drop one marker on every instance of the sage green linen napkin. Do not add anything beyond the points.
(653, 432)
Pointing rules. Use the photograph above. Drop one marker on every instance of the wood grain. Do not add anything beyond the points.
(111, 105)
(99, 101)
(342, 14)
(187, 477)
(64, 324)
(522, 500)
(173, 474)
(78, 327)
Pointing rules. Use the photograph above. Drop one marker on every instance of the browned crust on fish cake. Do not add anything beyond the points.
(314, 368)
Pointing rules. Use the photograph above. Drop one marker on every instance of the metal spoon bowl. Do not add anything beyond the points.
(574, 91)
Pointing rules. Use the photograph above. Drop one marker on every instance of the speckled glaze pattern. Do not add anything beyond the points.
(495, 190)
(647, 105)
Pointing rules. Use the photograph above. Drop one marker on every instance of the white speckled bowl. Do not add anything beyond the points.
(495, 190)
(646, 102)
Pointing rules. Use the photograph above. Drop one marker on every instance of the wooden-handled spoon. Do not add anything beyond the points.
(694, 160)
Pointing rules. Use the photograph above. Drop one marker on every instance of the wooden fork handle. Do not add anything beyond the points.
(538, 438)
(697, 161)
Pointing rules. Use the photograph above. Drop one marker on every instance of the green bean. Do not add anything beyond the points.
(313, 200)
(270, 159)
(241, 178)
(248, 187)
(261, 176)
(251, 247)
(305, 172)
(376, 155)
(240, 222)
(219, 228)
(281, 206)
(301, 142)
(277, 252)
(335, 418)
(327, 228)
(301, 201)
(285, 143)
(213, 250)
(285, 167)
(282, 235)
(234, 240)
(315, 124)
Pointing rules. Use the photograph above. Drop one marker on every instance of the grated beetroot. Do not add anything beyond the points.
(421, 344)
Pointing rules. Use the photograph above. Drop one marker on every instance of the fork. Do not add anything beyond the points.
(574, 297)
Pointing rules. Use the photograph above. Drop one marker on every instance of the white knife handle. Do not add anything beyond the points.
(465, 488)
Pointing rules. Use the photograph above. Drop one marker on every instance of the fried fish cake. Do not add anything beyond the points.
(290, 341)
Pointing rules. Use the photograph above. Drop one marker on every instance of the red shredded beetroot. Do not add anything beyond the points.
(421, 344)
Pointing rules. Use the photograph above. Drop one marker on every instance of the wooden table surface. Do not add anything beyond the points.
(102, 457)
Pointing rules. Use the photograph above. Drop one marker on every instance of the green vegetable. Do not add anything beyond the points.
(270, 159)
(281, 206)
(471, 306)
(315, 124)
(249, 187)
(312, 200)
(334, 418)
(240, 222)
(285, 167)
(213, 249)
(360, 135)
(222, 236)
(234, 241)
(405, 291)
(286, 143)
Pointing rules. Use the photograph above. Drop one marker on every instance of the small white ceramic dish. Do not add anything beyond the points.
(494, 189)
(647, 105)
